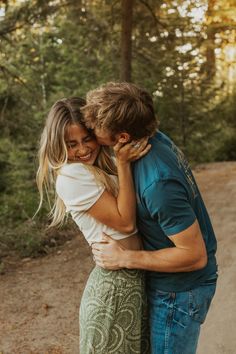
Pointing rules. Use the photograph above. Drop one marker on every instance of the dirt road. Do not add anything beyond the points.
(39, 301)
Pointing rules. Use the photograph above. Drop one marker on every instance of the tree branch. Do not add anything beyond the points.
(156, 20)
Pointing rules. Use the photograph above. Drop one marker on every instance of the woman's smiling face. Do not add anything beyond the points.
(81, 145)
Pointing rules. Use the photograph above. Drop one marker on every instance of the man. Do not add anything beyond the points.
(178, 238)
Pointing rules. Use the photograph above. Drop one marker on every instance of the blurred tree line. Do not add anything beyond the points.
(183, 52)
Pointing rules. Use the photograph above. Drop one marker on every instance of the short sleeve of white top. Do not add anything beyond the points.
(78, 189)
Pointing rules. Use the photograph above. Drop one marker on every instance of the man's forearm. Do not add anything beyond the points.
(188, 254)
(165, 260)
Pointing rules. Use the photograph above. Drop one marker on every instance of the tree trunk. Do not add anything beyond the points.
(126, 40)
(210, 50)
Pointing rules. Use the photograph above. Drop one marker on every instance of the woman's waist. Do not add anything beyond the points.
(116, 277)
(93, 230)
(132, 242)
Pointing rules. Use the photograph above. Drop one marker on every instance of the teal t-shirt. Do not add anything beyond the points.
(168, 202)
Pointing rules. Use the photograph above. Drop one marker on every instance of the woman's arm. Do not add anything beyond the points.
(120, 212)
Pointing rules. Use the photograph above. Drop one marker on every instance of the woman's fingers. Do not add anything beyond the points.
(139, 148)
(132, 151)
(142, 151)
(118, 146)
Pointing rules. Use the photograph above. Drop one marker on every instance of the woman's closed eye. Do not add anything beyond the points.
(71, 145)
(88, 138)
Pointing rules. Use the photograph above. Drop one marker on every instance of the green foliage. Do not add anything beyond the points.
(227, 150)
(29, 238)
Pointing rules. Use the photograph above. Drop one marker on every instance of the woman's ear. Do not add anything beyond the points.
(123, 137)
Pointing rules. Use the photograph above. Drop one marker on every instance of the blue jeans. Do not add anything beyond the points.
(175, 318)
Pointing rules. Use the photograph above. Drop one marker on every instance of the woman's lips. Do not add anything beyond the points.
(85, 157)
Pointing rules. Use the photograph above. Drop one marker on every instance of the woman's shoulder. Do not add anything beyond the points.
(74, 175)
(77, 187)
(75, 170)
(73, 167)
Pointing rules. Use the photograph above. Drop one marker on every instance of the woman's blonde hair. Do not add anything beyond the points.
(53, 155)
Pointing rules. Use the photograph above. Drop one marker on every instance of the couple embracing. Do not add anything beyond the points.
(132, 194)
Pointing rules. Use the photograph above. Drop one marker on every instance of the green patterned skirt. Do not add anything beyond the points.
(113, 313)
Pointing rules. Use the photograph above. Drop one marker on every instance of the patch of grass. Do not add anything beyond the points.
(33, 239)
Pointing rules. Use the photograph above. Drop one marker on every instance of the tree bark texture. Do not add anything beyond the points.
(210, 50)
(126, 40)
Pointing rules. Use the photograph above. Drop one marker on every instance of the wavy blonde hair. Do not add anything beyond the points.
(53, 155)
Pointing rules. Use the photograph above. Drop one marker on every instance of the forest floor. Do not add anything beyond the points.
(39, 298)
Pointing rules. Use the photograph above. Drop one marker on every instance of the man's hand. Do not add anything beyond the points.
(107, 253)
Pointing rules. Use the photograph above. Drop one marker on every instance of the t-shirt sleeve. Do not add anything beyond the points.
(77, 187)
(167, 202)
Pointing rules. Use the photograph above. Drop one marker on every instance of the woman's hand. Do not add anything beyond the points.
(132, 151)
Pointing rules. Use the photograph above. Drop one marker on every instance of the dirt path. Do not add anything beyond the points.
(39, 301)
(218, 186)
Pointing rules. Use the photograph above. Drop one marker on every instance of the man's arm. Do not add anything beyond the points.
(188, 254)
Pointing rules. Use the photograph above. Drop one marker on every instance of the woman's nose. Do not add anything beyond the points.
(82, 149)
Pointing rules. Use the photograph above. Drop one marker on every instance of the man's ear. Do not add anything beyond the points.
(123, 137)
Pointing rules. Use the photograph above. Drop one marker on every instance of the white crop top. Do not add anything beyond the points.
(78, 189)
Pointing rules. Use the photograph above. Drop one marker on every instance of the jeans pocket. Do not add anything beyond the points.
(200, 300)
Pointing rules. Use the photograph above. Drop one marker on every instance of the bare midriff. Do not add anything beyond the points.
(132, 242)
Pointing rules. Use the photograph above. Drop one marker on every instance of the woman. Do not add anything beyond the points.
(84, 176)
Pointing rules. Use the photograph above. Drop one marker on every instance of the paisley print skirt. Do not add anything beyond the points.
(113, 313)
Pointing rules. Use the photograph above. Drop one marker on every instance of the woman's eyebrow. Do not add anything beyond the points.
(70, 141)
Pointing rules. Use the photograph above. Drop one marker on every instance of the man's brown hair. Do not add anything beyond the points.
(120, 107)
